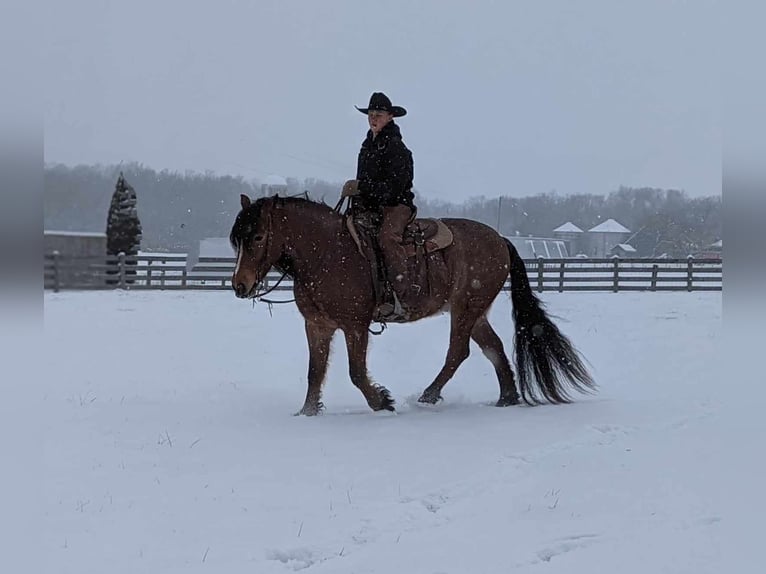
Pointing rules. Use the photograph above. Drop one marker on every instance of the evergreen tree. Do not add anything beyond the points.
(123, 228)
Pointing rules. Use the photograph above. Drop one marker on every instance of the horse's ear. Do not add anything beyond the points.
(244, 201)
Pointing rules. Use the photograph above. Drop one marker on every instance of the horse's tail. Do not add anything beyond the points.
(547, 363)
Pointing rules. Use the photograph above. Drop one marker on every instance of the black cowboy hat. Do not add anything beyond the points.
(380, 101)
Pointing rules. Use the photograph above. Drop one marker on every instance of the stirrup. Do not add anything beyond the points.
(398, 309)
(387, 310)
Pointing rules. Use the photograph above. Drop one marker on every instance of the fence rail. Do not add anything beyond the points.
(160, 272)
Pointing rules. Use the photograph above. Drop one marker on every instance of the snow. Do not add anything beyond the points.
(74, 233)
(626, 247)
(568, 227)
(157, 254)
(169, 445)
(609, 226)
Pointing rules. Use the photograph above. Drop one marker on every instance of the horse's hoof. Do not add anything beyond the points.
(385, 402)
(508, 401)
(430, 398)
(390, 408)
(310, 411)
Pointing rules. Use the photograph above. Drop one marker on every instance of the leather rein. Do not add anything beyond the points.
(270, 302)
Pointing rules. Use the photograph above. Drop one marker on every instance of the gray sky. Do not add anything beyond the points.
(503, 97)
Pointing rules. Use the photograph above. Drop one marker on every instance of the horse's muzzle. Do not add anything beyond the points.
(240, 290)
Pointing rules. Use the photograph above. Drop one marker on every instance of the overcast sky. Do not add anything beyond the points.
(503, 97)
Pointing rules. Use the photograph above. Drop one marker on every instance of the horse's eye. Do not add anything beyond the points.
(258, 238)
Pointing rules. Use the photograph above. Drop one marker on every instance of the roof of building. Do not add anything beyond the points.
(215, 247)
(75, 233)
(274, 179)
(568, 227)
(534, 247)
(609, 226)
(626, 247)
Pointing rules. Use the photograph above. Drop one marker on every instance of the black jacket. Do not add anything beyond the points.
(384, 170)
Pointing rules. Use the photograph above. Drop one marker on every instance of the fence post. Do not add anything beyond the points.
(149, 273)
(616, 280)
(689, 272)
(540, 273)
(122, 269)
(56, 278)
(183, 278)
(655, 271)
(561, 277)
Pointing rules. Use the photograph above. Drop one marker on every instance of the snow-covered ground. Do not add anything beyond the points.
(170, 445)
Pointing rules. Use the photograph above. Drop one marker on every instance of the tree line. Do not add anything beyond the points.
(179, 209)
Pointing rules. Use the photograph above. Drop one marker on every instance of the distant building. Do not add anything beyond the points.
(215, 247)
(75, 243)
(604, 237)
(89, 247)
(273, 185)
(573, 236)
(624, 250)
(210, 247)
(545, 247)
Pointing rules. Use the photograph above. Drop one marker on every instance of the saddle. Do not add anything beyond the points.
(428, 234)
(423, 240)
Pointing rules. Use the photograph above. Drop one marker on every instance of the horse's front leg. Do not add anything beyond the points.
(319, 337)
(377, 396)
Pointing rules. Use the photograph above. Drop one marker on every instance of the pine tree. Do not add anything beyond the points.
(123, 228)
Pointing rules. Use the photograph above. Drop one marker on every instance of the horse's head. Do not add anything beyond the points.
(252, 237)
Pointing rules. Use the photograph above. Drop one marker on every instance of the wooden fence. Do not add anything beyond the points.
(161, 272)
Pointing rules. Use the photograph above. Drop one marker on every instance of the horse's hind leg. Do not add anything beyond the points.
(485, 336)
(377, 396)
(319, 337)
(460, 333)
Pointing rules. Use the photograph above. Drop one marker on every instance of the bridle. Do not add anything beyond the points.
(260, 296)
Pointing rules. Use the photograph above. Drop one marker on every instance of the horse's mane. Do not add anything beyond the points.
(304, 201)
(243, 225)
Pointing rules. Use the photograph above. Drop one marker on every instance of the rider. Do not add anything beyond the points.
(383, 184)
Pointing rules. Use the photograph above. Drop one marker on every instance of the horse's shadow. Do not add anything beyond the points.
(409, 405)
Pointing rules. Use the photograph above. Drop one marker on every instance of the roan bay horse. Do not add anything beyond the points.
(333, 289)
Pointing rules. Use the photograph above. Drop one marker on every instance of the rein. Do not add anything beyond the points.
(260, 296)
(338, 205)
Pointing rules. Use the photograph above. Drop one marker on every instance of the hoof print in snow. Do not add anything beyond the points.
(296, 558)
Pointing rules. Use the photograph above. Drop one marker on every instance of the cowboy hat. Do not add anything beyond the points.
(380, 101)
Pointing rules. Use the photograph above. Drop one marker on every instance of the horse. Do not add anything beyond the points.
(333, 289)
